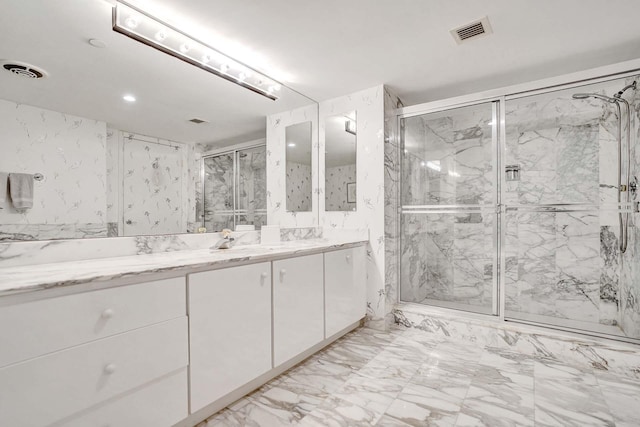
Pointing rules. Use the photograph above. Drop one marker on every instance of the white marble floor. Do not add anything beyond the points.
(408, 377)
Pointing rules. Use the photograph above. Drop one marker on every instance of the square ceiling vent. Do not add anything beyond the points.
(472, 30)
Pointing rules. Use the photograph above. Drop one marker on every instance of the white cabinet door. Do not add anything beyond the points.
(230, 330)
(298, 309)
(345, 288)
(46, 389)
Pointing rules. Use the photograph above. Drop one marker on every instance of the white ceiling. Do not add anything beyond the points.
(334, 47)
(325, 49)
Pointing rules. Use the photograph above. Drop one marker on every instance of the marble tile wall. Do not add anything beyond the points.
(300, 194)
(70, 152)
(277, 212)
(370, 167)
(335, 189)
(391, 202)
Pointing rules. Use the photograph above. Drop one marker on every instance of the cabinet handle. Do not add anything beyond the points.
(348, 257)
(108, 313)
(263, 277)
(283, 272)
(110, 368)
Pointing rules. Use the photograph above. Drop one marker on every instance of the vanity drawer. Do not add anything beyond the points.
(159, 404)
(57, 323)
(41, 391)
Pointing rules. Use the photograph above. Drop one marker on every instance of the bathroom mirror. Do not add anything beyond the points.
(119, 130)
(299, 167)
(340, 162)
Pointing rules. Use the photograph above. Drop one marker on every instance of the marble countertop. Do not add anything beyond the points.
(14, 280)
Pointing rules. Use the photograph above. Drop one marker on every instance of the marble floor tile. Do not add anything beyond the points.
(408, 377)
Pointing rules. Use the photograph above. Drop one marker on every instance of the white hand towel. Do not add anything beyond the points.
(21, 190)
(3, 188)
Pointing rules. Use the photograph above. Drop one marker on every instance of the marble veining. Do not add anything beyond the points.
(607, 356)
(407, 377)
(46, 276)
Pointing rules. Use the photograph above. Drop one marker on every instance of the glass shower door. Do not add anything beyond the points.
(448, 233)
(219, 192)
(563, 263)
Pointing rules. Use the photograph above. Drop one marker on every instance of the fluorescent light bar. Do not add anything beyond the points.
(146, 29)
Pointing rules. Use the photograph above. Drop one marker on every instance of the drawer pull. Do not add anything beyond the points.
(110, 368)
(283, 272)
(108, 313)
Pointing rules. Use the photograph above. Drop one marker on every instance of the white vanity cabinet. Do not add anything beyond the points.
(345, 283)
(298, 306)
(230, 330)
(118, 341)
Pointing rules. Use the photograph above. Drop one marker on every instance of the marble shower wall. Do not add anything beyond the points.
(71, 201)
(220, 186)
(559, 265)
(630, 274)
(447, 160)
(337, 179)
(565, 265)
(391, 202)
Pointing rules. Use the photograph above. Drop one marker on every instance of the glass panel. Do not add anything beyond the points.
(340, 162)
(218, 192)
(448, 259)
(564, 265)
(448, 157)
(299, 168)
(448, 225)
(252, 186)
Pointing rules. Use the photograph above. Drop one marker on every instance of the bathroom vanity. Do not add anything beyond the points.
(169, 338)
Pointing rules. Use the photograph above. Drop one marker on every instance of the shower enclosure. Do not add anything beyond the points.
(517, 207)
(234, 189)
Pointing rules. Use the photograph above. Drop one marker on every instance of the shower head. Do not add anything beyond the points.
(594, 95)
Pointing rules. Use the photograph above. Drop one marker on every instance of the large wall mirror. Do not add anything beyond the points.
(299, 167)
(125, 139)
(340, 162)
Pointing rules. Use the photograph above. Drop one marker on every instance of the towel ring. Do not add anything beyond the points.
(38, 177)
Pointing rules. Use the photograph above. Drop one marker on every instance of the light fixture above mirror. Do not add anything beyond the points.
(140, 26)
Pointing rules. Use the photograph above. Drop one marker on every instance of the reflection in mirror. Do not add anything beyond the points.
(299, 168)
(340, 162)
(235, 189)
(119, 131)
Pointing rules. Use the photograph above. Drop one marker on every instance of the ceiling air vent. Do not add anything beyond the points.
(23, 70)
(197, 121)
(473, 30)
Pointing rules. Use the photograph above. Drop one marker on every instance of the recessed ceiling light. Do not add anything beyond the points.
(129, 98)
(291, 144)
